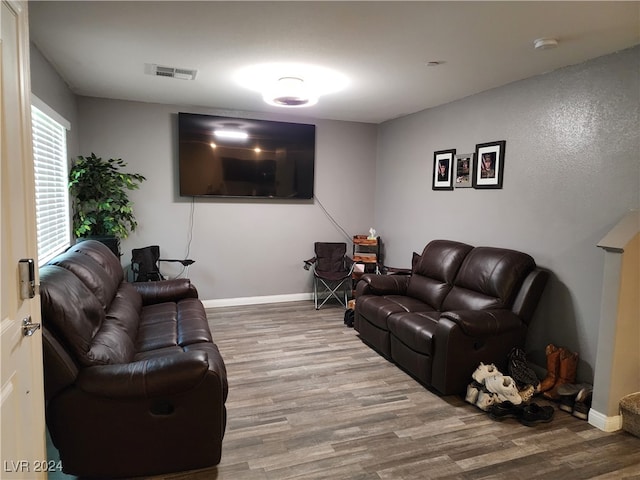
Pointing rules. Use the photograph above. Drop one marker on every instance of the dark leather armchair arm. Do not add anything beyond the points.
(146, 378)
(370, 284)
(465, 338)
(165, 290)
(482, 323)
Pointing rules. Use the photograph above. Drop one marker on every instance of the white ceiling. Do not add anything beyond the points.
(100, 48)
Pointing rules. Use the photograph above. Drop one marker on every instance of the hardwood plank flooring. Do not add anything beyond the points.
(308, 400)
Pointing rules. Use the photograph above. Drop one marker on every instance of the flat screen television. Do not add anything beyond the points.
(240, 157)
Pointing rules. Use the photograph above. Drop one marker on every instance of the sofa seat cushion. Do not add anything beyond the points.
(415, 330)
(377, 309)
(170, 324)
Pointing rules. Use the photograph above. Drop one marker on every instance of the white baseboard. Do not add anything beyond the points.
(233, 302)
(604, 423)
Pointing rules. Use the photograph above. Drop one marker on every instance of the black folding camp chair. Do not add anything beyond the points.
(144, 264)
(332, 270)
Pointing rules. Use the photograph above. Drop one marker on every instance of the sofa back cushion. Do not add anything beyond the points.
(488, 278)
(91, 273)
(75, 313)
(115, 341)
(434, 272)
(103, 255)
(70, 310)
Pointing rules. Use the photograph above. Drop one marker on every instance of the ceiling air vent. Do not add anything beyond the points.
(171, 72)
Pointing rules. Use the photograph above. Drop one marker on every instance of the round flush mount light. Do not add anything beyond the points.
(545, 43)
(289, 92)
(291, 85)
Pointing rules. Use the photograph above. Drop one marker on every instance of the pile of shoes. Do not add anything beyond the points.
(499, 396)
(560, 383)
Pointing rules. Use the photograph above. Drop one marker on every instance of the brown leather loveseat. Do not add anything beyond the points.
(458, 307)
(134, 383)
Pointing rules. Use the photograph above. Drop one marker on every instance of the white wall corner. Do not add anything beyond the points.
(604, 423)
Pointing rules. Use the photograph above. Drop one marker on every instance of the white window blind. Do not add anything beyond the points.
(52, 193)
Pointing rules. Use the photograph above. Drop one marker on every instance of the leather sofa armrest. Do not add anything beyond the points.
(165, 290)
(371, 284)
(483, 323)
(146, 378)
(465, 338)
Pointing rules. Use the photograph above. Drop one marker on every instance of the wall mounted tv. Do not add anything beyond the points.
(240, 157)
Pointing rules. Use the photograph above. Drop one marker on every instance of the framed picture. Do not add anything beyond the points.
(464, 170)
(489, 165)
(443, 170)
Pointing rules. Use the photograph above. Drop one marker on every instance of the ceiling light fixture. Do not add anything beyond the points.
(290, 92)
(291, 85)
(545, 43)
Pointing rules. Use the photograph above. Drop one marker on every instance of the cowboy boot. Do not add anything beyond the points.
(566, 373)
(553, 365)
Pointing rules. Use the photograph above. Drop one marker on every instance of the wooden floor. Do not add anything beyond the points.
(308, 400)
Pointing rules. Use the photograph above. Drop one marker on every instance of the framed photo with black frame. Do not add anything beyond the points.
(489, 165)
(464, 170)
(443, 169)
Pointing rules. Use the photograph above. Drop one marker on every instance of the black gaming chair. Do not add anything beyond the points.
(144, 263)
(332, 270)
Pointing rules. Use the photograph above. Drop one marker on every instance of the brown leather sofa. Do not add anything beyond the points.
(134, 384)
(458, 306)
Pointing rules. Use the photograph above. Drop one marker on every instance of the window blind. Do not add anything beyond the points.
(51, 177)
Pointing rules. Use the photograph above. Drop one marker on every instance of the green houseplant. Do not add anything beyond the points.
(100, 201)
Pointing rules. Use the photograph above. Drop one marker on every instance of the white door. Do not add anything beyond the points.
(22, 434)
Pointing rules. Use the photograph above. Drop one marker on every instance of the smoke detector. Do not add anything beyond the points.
(545, 43)
(170, 72)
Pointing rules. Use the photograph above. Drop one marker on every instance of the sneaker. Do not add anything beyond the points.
(520, 371)
(483, 371)
(582, 404)
(502, 410)
(473, 389)
(527, 393)
(485, 400)
(504, 387)
(567, 394)
(533, 414)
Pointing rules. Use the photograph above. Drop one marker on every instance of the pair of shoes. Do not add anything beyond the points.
(533, 414)
(520, 371)
(528, 415)
(504, 387)
(562, 366)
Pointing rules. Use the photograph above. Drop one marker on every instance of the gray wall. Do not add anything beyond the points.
(572, 171)
(242, 248)
(49, 87)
